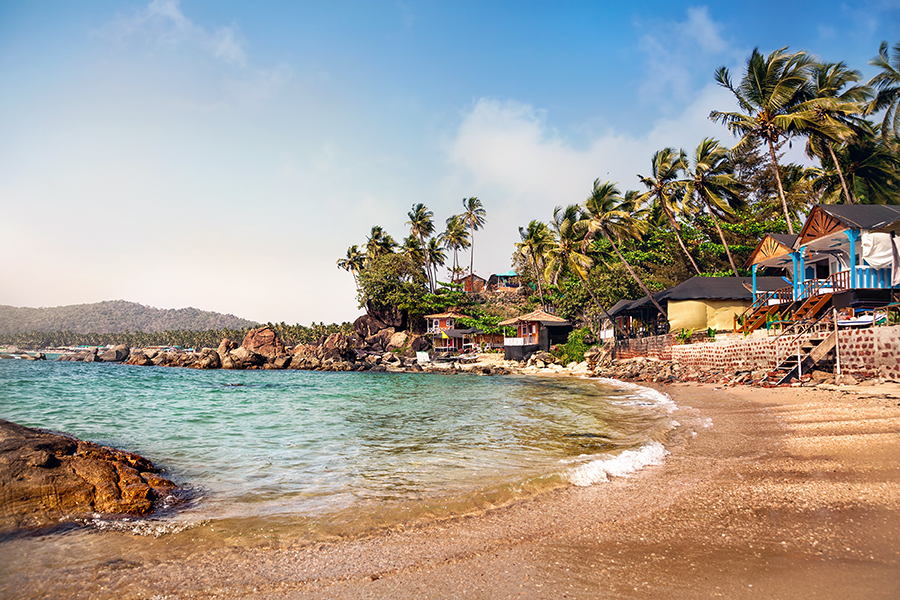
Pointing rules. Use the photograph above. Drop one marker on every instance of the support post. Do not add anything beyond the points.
(837, 345)
(852, 235)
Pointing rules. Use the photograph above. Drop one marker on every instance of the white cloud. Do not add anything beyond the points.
(679, 52)
(163, 22)
(522, 167)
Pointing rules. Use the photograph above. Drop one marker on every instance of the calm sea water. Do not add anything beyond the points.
(342, 450)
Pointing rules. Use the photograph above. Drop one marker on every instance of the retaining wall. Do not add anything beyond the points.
(874, 351)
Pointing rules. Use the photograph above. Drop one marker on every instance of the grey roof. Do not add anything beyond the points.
(703, 288)
(863, 216)
(784, 238)
(458, 333)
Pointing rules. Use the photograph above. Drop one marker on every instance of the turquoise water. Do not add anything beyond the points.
(342, 447)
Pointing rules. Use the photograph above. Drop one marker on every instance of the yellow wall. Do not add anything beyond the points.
(703, 314)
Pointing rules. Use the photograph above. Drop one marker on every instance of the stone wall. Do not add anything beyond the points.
(871, 352)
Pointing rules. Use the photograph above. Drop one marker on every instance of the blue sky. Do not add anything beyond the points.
(224, 155)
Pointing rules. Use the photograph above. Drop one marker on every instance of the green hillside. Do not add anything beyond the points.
(113, 316)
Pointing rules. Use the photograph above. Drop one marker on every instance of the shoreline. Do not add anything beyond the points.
(787, 493)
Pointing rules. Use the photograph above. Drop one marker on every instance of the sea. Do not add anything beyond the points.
(307, 455)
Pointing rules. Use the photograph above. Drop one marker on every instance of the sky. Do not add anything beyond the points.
(224, 155)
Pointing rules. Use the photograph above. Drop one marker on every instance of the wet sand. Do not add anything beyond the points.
(768, 493)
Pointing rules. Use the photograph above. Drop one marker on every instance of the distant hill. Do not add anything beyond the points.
(113, 316)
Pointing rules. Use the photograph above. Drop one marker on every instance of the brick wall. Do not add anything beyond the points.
(871, 352)
(655, 347)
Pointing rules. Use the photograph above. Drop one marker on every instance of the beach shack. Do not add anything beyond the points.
(504, 282)
(446, 337)
(845, 257)
(471, 283)
(535, 331)
(700, 303)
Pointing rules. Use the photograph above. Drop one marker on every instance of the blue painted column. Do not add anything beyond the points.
(802, 272)
(754, 281)
(796, 260)
(852, 235)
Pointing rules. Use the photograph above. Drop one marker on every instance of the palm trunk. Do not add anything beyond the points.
(472, 257)
(840, 174)
(635, 277)
(600, 306)
(787, 215)
(678, 236)
(721, 236)
(537, 276)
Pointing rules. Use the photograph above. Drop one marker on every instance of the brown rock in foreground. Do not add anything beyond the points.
(45, 477)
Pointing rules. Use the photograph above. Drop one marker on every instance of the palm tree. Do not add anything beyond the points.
(833, 101)
(872, 170)
(611, 216)
(566, 249)
(413, 249)
(536, 240)
(888, 85)
(455, 238)
(662, 187)
(435, 257)
(474, 216)
(769, 94)
(379, 243)
(421, 225)
(712, 182)
(353, 262)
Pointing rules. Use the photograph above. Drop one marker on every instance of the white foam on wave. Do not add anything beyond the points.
(628, 461)
(641, 394)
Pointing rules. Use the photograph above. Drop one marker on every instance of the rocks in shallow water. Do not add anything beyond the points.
(45, 477)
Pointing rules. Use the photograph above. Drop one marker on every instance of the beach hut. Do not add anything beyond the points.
(537, 330)
(446, 337)
(699, 303)
(504, 282)
(847, 256)
(471, 283)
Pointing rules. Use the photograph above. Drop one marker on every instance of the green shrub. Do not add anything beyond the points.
(574, 348)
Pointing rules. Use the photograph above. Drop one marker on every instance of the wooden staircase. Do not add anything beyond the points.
(811, 306)
(810, 353)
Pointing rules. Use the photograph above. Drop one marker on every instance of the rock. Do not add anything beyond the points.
(398, 340)
(208, 359)
(263, 341)
(115, 354)
(421, 344)
(380, 341)
(282, 362)
(225, 346)
(845, 379)
(45, 477)
(244, 358)
(306, 356)
(367, 325)
(137, 357)
(820, 376)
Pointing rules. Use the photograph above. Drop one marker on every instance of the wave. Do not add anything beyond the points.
(628, 461)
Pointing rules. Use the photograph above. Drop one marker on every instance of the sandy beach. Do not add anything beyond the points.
(767, 493)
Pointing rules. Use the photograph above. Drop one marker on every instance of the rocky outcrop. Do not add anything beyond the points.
(115, 354)
(264, 341)
(45, 477)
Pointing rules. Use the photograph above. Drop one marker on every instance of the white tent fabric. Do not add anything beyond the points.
(895, 272)
(877, 249)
